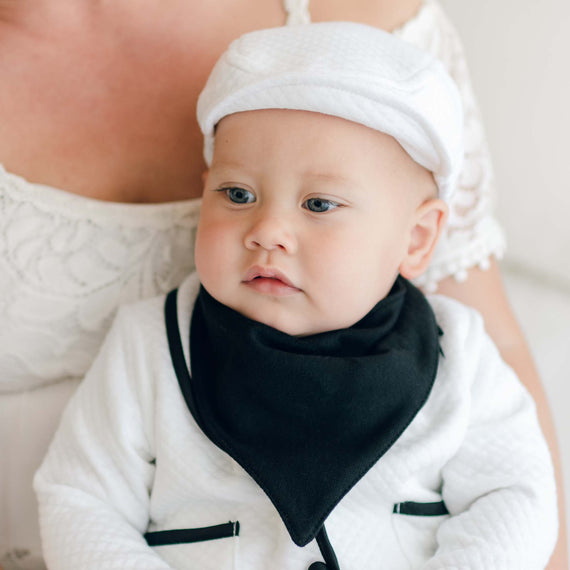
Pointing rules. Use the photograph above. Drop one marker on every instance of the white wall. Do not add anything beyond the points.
(519, 55)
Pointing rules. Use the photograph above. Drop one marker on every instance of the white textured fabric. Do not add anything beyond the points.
(347, 70)
(128, 451)
(79, 259)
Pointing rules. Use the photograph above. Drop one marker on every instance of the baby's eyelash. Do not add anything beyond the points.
(321, 205)
(238, 195)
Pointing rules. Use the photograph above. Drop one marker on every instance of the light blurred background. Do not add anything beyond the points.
(519, 55)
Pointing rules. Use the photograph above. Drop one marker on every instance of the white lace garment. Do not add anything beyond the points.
(67, 262)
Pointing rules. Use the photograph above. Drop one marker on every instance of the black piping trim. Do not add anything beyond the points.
(189, 535)
(177, 352)
(326, 549)
(421, 509)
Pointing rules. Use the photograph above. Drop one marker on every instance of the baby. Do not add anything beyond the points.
(298, 386)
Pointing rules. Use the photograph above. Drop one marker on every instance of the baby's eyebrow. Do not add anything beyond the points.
(329, 177)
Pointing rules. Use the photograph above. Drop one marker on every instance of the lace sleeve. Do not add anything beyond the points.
(473, 235)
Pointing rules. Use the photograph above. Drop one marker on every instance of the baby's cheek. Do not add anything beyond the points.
(209, 251)
(355, 282)
(340, 291)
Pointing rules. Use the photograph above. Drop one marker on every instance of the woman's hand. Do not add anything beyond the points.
(484, 291)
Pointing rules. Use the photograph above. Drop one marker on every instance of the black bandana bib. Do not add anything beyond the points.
(308, 417)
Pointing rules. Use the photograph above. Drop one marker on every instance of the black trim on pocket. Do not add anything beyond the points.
(421, 509)
(188, 535)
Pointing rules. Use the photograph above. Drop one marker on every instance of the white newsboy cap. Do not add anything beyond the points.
(348, 70)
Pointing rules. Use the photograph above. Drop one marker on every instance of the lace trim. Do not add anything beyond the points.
(67, 263)
(75, 206)
(473, 235)
(476, 250)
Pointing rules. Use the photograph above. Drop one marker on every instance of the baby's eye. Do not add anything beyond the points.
(239, 195)
(320, 205)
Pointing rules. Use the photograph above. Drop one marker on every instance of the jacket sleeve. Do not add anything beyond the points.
(93, 486)
(499, 487)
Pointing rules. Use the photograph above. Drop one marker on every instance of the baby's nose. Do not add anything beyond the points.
(271, 233)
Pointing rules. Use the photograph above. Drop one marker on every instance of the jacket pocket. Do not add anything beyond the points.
(189, 535)
(412, 508)
(415, 525)
(208, 548)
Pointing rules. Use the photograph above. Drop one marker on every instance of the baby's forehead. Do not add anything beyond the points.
(323, 149)
(320, 131)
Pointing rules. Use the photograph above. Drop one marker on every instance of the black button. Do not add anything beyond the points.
(318, 566)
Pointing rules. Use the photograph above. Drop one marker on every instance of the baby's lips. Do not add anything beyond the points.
(267, 273)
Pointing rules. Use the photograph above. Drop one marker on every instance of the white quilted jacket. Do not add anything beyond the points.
(128, 452)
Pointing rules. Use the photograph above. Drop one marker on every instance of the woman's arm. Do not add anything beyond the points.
(484, 291)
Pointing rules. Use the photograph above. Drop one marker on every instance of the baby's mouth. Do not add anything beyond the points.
(269, 281)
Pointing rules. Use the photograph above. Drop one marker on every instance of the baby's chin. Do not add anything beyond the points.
(285, 323)
(295, 315)
(298, 324)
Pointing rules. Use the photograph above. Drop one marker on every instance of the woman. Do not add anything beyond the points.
(100, 186)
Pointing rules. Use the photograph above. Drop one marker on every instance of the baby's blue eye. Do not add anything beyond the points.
(319, 205)
(240, 195)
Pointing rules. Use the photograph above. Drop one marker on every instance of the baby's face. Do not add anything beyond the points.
(306, 218)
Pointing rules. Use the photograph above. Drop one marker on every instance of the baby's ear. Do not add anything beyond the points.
(430, 219)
